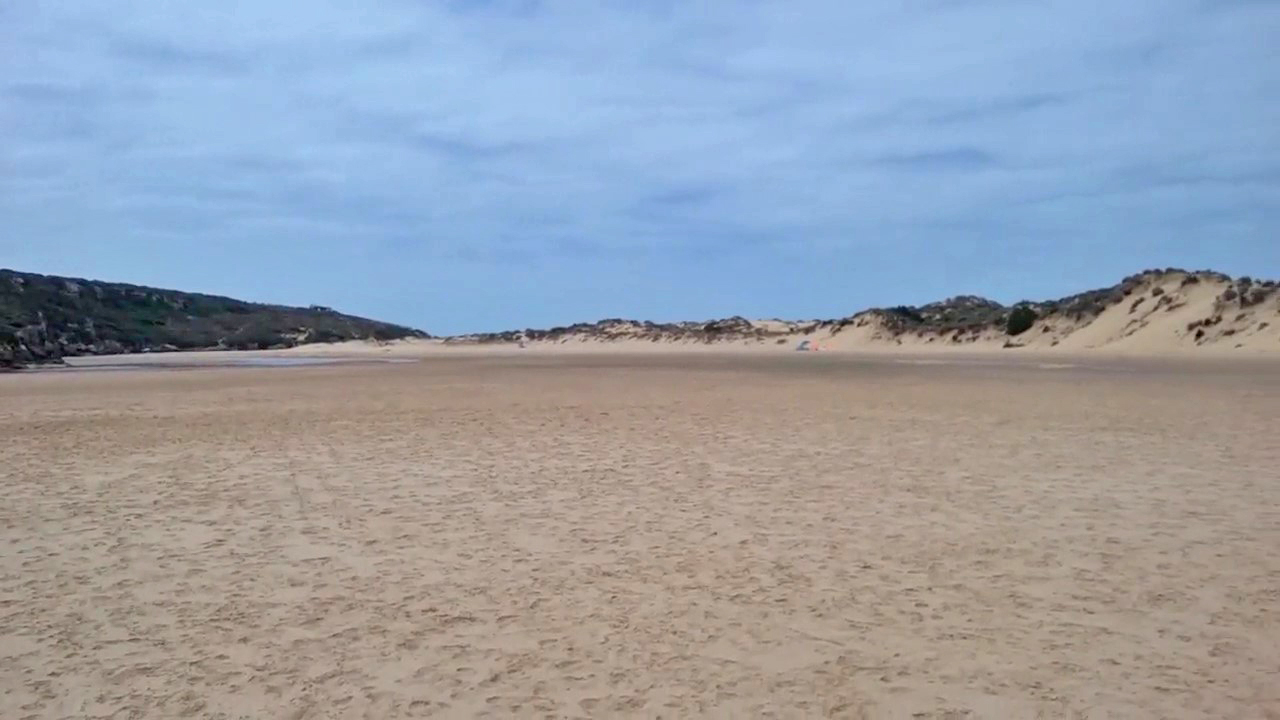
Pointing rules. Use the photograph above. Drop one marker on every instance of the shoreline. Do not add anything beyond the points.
(361, 353)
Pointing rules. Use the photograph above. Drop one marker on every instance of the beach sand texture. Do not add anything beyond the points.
(779, 535)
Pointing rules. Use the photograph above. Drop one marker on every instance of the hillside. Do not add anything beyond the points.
(44, 318)
(1152, 311)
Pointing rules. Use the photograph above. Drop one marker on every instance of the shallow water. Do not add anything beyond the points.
(282, 361)
(177, 361)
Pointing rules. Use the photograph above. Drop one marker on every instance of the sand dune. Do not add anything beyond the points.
(1156, 312)
(717, 535)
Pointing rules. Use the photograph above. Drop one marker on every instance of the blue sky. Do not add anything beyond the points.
(482, 165)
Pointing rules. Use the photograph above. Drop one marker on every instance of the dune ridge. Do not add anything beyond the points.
(1156, 311)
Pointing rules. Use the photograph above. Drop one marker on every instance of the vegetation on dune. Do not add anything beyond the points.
(710, 331)
(960, 314)
(1020, 320)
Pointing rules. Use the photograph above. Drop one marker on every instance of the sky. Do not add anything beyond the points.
(491, 164)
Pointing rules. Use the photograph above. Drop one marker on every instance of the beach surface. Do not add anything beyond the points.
(712, 534)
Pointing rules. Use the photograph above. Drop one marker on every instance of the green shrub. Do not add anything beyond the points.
(907, 313)
(1020, 320)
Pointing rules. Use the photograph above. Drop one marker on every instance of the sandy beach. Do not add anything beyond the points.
(659, 535)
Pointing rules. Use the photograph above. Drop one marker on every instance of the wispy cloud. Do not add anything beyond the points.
(960, 158)
(997, 108)
(155, 55)
(552, 160)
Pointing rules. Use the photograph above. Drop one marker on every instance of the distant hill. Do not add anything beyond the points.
(44, 318)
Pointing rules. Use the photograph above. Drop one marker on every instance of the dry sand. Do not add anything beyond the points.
(784, 535)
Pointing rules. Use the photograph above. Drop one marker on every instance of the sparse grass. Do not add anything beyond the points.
(1256, 296)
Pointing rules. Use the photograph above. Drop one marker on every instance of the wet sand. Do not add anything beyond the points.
(653, 536)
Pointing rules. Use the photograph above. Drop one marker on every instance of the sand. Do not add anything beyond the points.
(659, 535)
